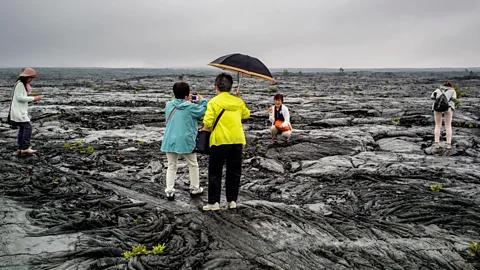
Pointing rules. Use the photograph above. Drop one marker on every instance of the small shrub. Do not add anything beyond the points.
(140, 142)
(78, 144)
(158, 249)
(142, 250)
(396, 121)
(436, 188)
(474, 250)
(272, 89)
(66, 146)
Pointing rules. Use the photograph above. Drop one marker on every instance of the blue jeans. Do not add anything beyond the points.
(24, 135)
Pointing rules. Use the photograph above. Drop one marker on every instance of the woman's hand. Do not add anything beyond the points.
(37, 98)
(270, 110)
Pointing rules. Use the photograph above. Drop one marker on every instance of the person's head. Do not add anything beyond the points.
(448, 84)
(223, 83)
(278, 100)
(27, 75)
(181, 90)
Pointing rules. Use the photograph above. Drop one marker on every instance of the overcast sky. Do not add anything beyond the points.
(281, 33)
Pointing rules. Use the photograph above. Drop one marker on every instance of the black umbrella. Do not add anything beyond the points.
(243, 65)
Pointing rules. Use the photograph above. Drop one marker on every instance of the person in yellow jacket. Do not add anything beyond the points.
(226, 142)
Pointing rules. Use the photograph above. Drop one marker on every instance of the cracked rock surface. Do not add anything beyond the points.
(352, 191)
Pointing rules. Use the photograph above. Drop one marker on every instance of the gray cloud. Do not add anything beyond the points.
(190, 33)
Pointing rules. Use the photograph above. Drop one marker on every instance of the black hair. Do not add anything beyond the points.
(224, 82)
(181, 90)
(23, 80)
(278, 97)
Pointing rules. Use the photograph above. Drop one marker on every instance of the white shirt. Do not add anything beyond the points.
(20, 99)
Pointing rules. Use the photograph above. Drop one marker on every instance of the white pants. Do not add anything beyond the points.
(173, 166)
(274, 132)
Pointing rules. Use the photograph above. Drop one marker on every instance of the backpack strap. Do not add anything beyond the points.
(218, 118)
(171, 114)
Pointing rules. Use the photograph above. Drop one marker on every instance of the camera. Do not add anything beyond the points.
(194, 97)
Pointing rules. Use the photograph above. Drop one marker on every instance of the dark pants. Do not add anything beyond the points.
(232, 155)
(24, 135)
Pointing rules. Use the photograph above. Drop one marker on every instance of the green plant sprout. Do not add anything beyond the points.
(137, 219)
(436, 188)
(142, 250)
(55, 180)
(140, 142)
(396, 121)
(66, 146)
(272, 89)
(78, 144)
(474, 249)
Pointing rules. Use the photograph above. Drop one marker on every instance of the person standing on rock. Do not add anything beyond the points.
(279, 116)
(449, 91)
(180, 135)
(18, 112)
(226, 142)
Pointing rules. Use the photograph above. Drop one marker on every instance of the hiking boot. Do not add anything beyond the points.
(196, 191)
(170, 195)
(28, 151)
(449, 146)
(232, 205)
(211, 207)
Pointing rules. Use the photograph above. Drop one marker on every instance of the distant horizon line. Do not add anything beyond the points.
(273, 68)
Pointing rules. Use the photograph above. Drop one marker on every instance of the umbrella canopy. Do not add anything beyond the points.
(243, 64)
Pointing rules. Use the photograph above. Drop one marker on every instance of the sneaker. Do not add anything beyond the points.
(274, 141)
(28, 151)
(449, 146)
(437, 145)
(170, 194)
(287, 142)
(196, 191)
(232, 205)
(211, 207)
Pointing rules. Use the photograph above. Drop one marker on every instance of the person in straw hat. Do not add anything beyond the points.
(19, 110)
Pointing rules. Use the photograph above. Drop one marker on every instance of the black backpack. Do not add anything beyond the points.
(441, 103)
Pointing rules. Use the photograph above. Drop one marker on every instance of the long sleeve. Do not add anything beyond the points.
(198, 110)
(286, 115)
(245, 112)
(21, 94)
(209, 116)
(271, 115)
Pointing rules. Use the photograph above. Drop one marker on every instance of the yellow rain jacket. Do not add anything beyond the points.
(229, 129)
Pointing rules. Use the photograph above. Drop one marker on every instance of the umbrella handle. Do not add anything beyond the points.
(239, 81)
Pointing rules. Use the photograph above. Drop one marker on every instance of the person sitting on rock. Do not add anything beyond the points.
(279, 116)
(180, 136)
(449, 91)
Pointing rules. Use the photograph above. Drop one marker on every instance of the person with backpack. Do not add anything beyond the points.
(444, 105)
(226, 142)
(18, 113)
(279, 116)
(181, 130)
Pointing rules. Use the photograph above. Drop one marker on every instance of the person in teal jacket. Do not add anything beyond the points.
(181, 130)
